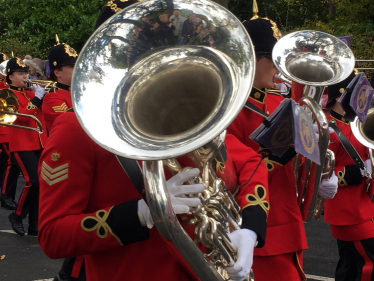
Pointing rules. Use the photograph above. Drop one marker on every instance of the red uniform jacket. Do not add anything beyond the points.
(285, 229)
(23, 139)
(4, 130)
(350, 213)
(57, 101)
(89, 186)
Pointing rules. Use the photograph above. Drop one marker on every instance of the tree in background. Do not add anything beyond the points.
(28, 27)
(353, 18)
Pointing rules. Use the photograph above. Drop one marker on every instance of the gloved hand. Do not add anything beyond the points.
(328, 188)
(316, 132)
(177, 191)
(244, 240)
(39, 91)
(144, 214)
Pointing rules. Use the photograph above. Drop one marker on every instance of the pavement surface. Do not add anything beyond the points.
(25, 261)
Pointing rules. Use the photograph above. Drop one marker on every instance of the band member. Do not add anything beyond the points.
(285, 237)
(351, 212)
(103, 216)
(8, 171)
(26, 146)
(61, 59)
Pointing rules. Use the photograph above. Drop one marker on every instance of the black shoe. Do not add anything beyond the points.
(7, 202)
(17, 224)
(33, 230)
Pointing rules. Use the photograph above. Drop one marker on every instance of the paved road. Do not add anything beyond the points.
(25, 261)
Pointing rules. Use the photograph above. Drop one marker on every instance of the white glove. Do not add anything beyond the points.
(316, 132)
(244, 240)
(144, 214)
(177, 191)
(328, 188)
(38, 90)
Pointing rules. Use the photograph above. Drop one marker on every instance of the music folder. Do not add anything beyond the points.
(289, 125)
(356, 98)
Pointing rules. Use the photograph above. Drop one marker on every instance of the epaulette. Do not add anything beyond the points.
(257, 95)
(52, 90)
(338, 116)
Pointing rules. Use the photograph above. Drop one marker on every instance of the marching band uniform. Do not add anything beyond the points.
(351, 212)
(56, 102)
(99, 217)
(285, 230)
(76, 162)
(25, 147)
(58, 99)
(9, 171)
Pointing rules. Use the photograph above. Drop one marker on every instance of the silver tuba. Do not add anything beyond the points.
(364, 133)
(139, 94)
(315, 59)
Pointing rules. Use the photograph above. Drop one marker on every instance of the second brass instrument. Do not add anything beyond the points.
(316, 60)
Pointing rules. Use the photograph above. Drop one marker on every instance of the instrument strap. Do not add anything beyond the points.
(348, 146)
(254, 108)
(133, 171)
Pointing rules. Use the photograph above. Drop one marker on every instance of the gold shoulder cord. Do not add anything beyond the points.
(113, 6)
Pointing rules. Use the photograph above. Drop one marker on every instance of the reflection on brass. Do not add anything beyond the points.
(9, 108)
(161, 97)
(316, 60)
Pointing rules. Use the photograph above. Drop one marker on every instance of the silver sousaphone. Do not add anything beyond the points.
(141, 95)
(315, 59)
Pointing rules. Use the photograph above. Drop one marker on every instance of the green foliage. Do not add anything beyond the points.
(353, 18)
(289, 14)
(29, 26)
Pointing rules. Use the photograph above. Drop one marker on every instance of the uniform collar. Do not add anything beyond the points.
(19, 89)
(63, 86)
(258, 95)
(338, 116)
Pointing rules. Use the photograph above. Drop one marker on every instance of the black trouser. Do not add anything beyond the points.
(8, 180)
(28, 202)
(356, 260)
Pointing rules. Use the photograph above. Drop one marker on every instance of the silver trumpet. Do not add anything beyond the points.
(159, 100)
(315, 59)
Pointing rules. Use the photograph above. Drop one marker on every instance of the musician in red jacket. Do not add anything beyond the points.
(9, 171)
(351, 212)
(62, 59)
(25, 146)
(104, 218)
(285, 237)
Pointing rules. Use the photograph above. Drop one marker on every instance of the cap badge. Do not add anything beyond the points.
(20, 63)
(70, 51)
(55, 63)
(55, 156)
(341, 90)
